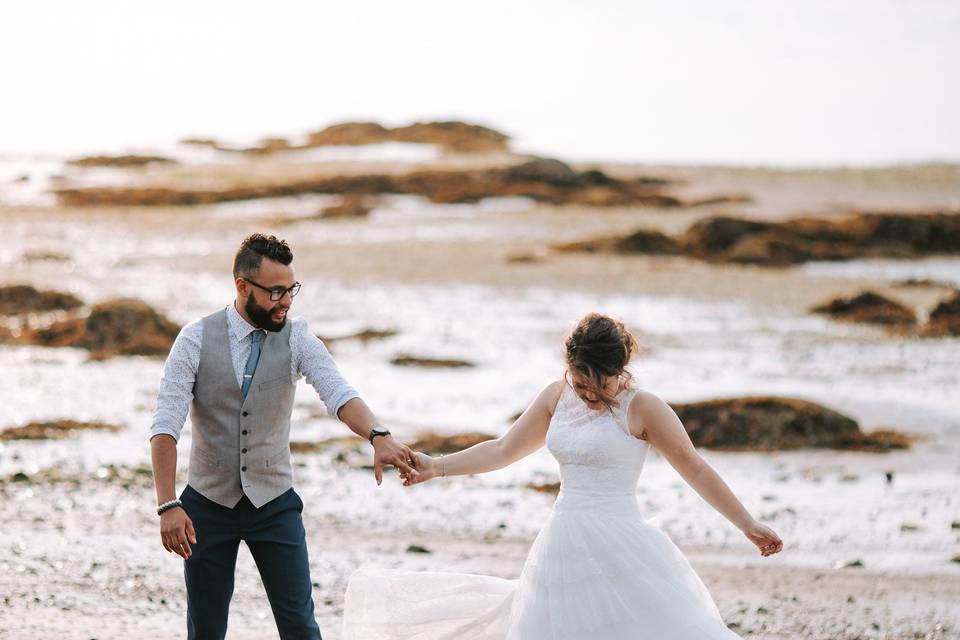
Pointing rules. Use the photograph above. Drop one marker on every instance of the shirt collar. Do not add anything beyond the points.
(239, 328)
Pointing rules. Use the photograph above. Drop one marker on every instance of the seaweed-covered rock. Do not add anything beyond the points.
(434, 443)
(772, 423)
(116, 327)
(124, 161)
(537, 182)
(348, 207)
(20, 299)
(778, 244)
(407, 360)
(546, 170)
(868, 307)
(945, 317)
(364, 335)
(452, 135)
(643, 241)
(54, 430)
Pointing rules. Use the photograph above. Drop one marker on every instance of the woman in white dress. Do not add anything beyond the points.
(597, 570)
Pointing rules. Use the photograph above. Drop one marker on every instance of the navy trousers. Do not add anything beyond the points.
(275, 536)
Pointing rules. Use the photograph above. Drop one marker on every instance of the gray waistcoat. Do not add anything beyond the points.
(241, 446)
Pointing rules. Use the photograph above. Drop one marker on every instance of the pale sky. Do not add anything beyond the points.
(817, 82)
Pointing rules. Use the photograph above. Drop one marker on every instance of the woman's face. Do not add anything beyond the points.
(582, 387)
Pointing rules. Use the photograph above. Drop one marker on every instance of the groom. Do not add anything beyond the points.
(236, 372)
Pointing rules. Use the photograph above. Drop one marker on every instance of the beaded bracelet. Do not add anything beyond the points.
(166, 506)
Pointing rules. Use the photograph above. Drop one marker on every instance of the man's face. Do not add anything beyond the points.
(266, 313)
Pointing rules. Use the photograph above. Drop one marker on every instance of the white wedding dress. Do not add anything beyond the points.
(596, 571)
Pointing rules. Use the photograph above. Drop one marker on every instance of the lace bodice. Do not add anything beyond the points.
(596, 452)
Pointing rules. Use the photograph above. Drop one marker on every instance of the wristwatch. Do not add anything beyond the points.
(378, 431)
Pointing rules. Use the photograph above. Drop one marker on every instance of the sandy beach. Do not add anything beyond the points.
(865, 557)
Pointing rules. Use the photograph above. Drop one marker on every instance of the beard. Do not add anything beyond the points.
(263, 317)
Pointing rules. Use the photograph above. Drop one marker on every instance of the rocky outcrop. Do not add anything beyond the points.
(780, 244)
(434, 443)
(407, 360)
(945, 318)
(364, 335)
(542, 180)
(869, 307)
(772, 424)
(643, 241)
(349, 207)
(21, 299)
(452, 135)
(54, 430)
(888, 235)
(115, 327)
(124, 162)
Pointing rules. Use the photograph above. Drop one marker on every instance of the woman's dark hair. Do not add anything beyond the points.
(598, 347)
(254, 249)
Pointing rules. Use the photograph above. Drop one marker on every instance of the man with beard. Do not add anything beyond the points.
(236, 371)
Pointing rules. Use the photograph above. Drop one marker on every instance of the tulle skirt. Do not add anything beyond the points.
(596, 571)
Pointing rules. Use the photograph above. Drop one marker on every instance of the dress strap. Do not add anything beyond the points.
(621, 412)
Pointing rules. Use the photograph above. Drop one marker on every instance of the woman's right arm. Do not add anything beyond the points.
(525, 436)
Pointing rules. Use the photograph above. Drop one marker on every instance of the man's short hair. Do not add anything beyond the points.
(255, 248)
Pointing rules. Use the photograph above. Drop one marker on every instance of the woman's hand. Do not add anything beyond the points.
(426, 469)
(764, 537)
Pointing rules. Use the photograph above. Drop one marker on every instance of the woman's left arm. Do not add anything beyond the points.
(651, 418)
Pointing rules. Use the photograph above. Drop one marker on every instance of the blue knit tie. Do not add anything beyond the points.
(256, 342)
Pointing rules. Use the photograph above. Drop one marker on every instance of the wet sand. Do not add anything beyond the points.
(91, 566)
(84, 560)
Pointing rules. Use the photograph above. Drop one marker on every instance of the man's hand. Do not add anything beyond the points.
(176, 532)
(387, 451)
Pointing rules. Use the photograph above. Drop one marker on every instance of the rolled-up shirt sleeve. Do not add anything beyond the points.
(313, 361)
(176, 384)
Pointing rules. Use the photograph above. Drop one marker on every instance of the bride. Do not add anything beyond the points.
(596, 570)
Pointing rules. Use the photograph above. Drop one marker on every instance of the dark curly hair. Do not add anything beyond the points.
(598, 347)
(255, 248)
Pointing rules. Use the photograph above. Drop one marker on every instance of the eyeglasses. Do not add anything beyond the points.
(277, 292)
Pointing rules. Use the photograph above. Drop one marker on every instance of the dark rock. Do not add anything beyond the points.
(349, 207)
(434, 443)
(765, 243)
(772, 423)
(44, 256)
(945, 318)
(545, 170)
(115, 327)
(523, 257)
(722, 198)
(20, 299)
(364, 335)
(643, 241)
(416, 548)
(549, 487)
(441, 186)
(868, 307)
(407, 360)
(54, 430)
(453, 135)
(923, 283)
(316, 447)
(120, 161)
